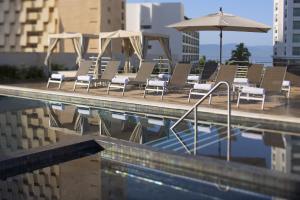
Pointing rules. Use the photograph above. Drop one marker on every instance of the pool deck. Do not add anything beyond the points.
(277, 108)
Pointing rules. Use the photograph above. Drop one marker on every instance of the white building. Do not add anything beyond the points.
(154, 17)
(286, 36)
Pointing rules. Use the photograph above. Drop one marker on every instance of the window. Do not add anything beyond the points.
(296, 12)
(108, 21)
(296, 1)
(296, 37)
(296, 51)
(146, 26)
(296, 24)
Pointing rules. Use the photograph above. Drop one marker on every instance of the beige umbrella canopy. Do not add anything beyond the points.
(221, 22)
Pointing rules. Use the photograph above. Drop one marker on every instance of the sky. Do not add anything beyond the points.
(258, 10)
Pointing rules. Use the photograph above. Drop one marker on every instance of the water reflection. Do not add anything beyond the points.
(44, 125)
(95, 178)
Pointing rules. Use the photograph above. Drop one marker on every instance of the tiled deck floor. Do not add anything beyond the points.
(275, 105)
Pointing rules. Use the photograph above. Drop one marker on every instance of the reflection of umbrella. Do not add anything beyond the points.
(221, 22)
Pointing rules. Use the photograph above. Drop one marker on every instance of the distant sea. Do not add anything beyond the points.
(259, 53)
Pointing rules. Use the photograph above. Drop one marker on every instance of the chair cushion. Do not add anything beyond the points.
(253, 90)
(203, 86)
(120, 80)
(193, 78)
(286, 83)
(157, 83)
(164, 76)
(57, 76)
(241, 81)
(84, 78)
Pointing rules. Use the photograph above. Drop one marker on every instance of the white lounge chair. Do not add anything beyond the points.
(83, 78)
(177, 80)
(141, 78)
(286, 86)
(271, 83)
(225, 73)
(56, 78)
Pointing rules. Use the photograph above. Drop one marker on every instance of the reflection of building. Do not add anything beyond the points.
(25, 25)
(154, 17)
(287, 158)
(286, 36)
(22, 130)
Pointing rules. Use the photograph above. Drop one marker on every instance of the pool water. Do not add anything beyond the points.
(28, 124)
(33, 124)
(96, 178)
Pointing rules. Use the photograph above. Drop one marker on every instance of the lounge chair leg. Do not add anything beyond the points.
(123, 90)
(48, 83)
(210, 98)
(59, 86)
(162, 94)
(263, 102)
(189, 99)
(108, 88)
(289, 92)
(74, 88)
(145, 92)
(88, 88)
(238, 100)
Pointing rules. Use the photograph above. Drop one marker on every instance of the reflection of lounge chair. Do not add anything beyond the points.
(225, 73)
(82, 76)
(143, 74)
(271, 83)
(177, 80)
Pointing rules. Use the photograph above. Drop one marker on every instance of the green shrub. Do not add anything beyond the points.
(14, 73)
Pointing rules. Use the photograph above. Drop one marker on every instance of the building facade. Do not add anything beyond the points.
(286, 37)
(155, 17)
(25, 25)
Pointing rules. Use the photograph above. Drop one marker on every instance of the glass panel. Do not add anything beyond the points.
(296, 37)
(296, 12)
(296, 25)
(296, 51)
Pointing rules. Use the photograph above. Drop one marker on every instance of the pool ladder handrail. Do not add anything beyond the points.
(195, 107)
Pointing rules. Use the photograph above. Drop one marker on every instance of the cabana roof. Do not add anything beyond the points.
(138, 41)
(68, 35)
(127, 34)
(78, 40)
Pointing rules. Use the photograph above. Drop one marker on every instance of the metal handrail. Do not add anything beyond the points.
(196, 120)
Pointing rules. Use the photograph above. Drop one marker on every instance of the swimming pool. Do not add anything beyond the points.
(276, 150)
(96, 178)
(28, 124)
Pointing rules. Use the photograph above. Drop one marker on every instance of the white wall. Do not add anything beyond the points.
(158, 16)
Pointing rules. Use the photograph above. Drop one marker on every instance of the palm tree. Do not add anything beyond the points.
(241, 53)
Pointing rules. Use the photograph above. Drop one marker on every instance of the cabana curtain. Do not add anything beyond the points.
(164, 42)
(138, 41)
(78, 41)
(137, 46)
(52, 44)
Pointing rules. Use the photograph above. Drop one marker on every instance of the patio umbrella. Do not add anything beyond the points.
(221, 22)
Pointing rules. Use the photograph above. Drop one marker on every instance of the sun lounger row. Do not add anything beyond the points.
(247, 88)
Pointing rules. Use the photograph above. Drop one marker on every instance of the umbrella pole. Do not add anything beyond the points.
(221, 44)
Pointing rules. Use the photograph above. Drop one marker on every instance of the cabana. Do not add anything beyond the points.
(80, 42)
(134, 42)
